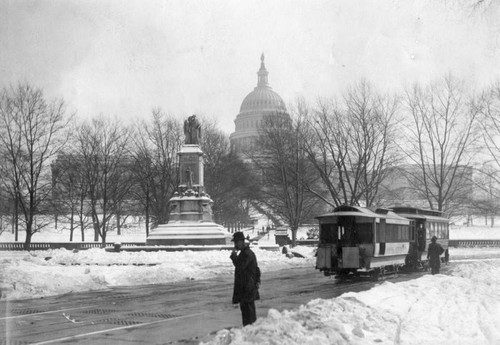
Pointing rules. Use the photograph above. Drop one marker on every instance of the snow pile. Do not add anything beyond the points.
(463, 308)
(51, 272)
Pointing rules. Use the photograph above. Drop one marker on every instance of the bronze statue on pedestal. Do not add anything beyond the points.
(192, 130)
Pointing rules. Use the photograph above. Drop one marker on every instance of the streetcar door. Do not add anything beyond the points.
(381, 237)
(324, 257)
(420, 237)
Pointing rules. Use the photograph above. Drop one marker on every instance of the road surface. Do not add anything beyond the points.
(178, 313)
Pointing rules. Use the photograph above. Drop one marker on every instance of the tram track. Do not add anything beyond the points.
(75, 337)
(163, 313)
(23, 313)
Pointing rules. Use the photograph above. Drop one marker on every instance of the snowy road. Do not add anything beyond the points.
(183, 312)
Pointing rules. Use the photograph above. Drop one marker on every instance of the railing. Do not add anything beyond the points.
(88, 245)
(66, 245)
(474, 243)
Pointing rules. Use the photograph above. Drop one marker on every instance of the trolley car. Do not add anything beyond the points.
(428, 223)
(356, 240)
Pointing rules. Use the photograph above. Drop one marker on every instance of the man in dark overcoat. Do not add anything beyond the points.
(246, 279)
(433, 252)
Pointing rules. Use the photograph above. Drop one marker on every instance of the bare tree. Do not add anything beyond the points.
(230, 183)
(352, 145)
(71, 192)
(32, 133)
(441, 131)
(102, 145)
(155, 153)
(6, 214)
(488, 180)
(285, 172)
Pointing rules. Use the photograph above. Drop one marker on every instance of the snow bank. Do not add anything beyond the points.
(52, 272)
(463, 308)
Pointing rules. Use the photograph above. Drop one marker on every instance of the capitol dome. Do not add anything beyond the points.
(262, 98)
(262, 101)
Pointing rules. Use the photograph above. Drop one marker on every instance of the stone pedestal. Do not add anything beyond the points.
(191, 220)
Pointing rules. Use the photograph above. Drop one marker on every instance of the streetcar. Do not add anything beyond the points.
(359, 241)
(428, 223)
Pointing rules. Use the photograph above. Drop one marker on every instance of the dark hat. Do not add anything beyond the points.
(434, 239)
(238, 236)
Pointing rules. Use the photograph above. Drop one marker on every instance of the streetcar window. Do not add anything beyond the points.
(365, 233)
(397, 233)
(328, 233)
(381, 231)
(404, 233)
(388, 233)
(391, 233)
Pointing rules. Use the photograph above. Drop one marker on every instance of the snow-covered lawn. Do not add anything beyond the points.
(138, 234)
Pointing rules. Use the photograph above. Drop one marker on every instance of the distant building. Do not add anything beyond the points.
(398, 188)
(261, 102)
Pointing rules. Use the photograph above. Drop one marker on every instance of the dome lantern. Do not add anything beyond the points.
(262, 73)
(262, 97)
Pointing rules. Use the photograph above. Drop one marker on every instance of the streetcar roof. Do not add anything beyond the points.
(416, 211)
(357, 211)
(424, 217)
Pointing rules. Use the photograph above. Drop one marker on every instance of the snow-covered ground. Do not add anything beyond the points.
(460, 308)
(50, 272)
(474, 233)
(43, 273)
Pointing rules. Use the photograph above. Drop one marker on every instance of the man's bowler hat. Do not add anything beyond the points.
(238, 236)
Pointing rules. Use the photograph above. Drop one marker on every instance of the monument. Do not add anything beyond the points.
(190, 221)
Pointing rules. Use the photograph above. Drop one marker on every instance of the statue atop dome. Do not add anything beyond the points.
(262, 73)
(192, 130)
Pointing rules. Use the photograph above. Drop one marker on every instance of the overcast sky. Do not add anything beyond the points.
(122, 58)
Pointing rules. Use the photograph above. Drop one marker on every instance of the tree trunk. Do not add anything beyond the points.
(28, 240)
(118, 225)
(147, 220)
(103, 243)
(16, 222)
(71, 227)
(29, 231)
(82, 229)
(95, 221)
(294, 236)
